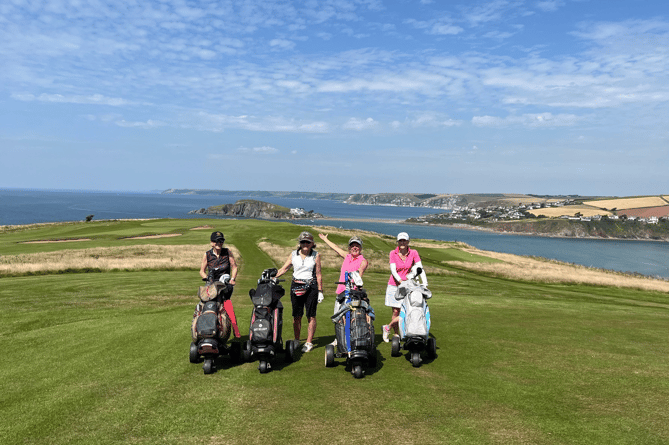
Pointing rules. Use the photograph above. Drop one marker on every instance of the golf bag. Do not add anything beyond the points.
(354, 328)
(414, 320)
(211, 326)
(414, 312)
(359, 315)
(267, 323)
(210, 319)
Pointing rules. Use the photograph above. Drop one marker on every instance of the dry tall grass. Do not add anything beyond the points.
(549, 271)
(109, 258)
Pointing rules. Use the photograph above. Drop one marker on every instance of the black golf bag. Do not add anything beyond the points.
(354, 331)
(266, 323)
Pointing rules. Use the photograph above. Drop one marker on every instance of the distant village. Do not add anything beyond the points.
(495, 213)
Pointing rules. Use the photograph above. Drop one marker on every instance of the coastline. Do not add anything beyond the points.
(462, 226)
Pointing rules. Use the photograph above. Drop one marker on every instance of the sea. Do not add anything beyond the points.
(20, 206)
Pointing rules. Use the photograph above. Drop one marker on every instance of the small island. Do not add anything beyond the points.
(249, 208)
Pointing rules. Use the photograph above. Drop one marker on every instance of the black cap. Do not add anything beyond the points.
(217, 236)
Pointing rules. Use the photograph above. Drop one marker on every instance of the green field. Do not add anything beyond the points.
(101, 357)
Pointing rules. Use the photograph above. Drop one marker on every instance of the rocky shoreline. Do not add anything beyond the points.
(248, 208)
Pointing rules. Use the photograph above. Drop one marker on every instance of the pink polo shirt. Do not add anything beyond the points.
(350, 264)
(403, 267)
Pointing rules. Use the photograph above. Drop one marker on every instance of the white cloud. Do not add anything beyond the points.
(220, 122)
(549, 5)
(441, 26)
(487, 12)
(260, 150)
(145, 125)
(527, 120)
(431, 120)
(95, 99)
(360, 124)
(282, 44)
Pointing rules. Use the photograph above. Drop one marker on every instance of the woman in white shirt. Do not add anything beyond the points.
(306, 288)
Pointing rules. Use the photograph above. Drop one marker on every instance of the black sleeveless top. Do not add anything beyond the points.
(220, 264)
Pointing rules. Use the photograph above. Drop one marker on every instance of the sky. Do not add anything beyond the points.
(354, 96)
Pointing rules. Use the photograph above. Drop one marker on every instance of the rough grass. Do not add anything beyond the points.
(552, 271)
(147, 256)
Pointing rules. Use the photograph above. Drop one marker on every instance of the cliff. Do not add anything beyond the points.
(248, 208)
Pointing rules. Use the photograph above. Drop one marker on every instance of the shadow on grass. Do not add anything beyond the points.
(341, 362)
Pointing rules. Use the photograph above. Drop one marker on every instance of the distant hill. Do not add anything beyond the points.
(431, 200)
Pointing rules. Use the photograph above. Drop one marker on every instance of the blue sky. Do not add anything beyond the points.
(358, 96)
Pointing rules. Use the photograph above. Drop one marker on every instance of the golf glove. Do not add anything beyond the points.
(320, 297)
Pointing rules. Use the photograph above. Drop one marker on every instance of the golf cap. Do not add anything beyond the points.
(355, 239)
(402, 235)
(306, 236)
(217, 236)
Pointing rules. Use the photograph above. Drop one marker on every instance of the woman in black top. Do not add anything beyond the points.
(217, 262)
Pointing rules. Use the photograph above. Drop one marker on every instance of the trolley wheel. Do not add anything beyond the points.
(432, 348)
(193, 355)
(208, 366)
(395, 347)
(263, 367)
(246, 351)
(357, 371)
(290, 351)
(415, 359)
(329, 356)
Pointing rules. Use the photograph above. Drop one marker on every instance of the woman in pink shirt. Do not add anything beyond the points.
(402, 259)
(353, 260)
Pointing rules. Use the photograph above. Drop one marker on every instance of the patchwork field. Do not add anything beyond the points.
(556, 212)
(646, 212)
(628, 203)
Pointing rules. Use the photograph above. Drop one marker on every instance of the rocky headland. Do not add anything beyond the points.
(248, 208)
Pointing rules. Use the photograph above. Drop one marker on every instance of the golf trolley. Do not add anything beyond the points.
(211, 326)
(266, 324)
(414, 320)
(354, 329)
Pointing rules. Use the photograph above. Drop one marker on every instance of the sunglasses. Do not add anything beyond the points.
(305, 242)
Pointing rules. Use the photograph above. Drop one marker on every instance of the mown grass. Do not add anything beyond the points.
(102, 357)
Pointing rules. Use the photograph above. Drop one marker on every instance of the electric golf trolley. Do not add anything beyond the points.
(211, 326)
(354, 329)
(414, 320)
(266, 324)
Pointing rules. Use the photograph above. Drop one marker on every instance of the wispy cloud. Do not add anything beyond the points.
(95, 99)
(145, 125)
(528, 120)
(266, 150)
(360, 124)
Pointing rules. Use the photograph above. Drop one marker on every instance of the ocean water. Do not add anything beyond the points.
(35, 206)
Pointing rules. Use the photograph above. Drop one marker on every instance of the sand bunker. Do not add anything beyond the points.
(202, 228)
(56, 241)
(165, 235)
